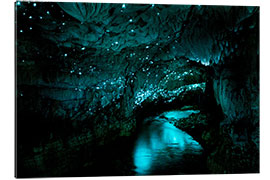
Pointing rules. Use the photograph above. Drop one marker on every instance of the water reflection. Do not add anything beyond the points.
(179, 114)
(161, 147)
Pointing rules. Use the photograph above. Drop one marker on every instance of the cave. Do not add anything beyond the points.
(107, 89)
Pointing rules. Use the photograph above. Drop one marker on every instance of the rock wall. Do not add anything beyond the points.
(236, 90)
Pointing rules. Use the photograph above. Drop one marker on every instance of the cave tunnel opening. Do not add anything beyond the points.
(164, 129)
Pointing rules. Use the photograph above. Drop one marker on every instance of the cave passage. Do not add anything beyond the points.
(161, 148)
(108, 89)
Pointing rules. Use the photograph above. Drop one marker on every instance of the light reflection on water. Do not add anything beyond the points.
(179, 114)
(161, 146)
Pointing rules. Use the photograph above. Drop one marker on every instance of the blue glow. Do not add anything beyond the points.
(30, 28)
(40, 17)
(21, 30)
(35, 4)
(83, 48)
(30, 17)
(123, 6)
(65, 55)
(130, 20)
(18, 3)
(179, 114)
(48, 12)
(154, 141)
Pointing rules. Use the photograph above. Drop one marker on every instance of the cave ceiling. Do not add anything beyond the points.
(143, 32)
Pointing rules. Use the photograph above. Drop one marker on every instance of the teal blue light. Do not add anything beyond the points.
(179, 114)
(143, 159)
(155, 140)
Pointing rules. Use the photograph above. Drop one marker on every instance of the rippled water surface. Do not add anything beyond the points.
(161, 148)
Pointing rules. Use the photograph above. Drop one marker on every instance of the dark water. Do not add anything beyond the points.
(158, 149)
(161, 148)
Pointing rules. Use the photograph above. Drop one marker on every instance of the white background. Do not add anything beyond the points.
(7, 87)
